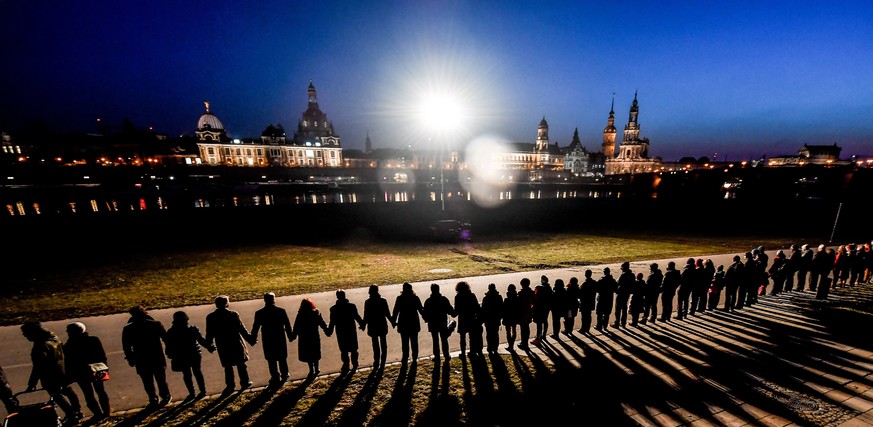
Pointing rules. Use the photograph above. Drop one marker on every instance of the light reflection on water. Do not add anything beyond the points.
(97, 205)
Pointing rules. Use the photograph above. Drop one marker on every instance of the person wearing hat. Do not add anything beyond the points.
(81, 350)
(49, 370)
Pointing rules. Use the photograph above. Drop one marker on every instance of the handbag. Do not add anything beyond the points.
(100, 371)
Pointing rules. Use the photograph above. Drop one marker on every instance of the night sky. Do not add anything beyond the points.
(740, 79)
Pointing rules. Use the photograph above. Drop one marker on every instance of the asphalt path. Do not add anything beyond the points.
(126, 391)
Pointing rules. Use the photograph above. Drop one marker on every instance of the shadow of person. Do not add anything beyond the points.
(281, 405)
(356, 414)
(398, 411)
(319, 412)
(241, 415)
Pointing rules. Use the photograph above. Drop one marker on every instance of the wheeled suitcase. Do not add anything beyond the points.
(43, 413)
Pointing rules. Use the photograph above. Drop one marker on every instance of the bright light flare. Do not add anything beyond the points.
(441, 112)
(484, 154)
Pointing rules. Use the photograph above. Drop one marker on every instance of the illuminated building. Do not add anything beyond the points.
(633, 153)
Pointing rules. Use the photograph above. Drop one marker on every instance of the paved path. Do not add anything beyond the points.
(844, 393)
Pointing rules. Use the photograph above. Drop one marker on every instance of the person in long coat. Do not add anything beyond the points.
(572, 305)
(377, 316)
(778, 272)
(716, 287)
(652, 291)
(436, 312)
(306, 326)
(141, 340)
(80, 351)
(606, 286)
(686, 287)
(183, 344)
(672, 280)
(345, 320)
(626, 282)
(492, 313)
(526, 297)
(469, 318)
(226, 329)
(804, 266)
(733, 278)
(47, 356)
(407, 314)
(511, 316)
(275, 327)
(560, 307)
(587, 301)
(542, 306)
(638, 299)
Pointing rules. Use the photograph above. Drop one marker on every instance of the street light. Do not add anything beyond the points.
(441, 115)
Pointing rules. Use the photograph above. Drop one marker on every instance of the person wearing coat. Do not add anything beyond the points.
(526, 298)
(560, 307)
(733, 278)
(672, 280)
(469, 318)
(605, 298)
(804, 266)
(47, 355)
(542, 306)
(626, 282)
(225, 328)
(511, 316)
(436, 312)
(572, 305)
(651, 292)
(377, 316)
(306, 326)
(686, 286)
(587, 301)
(141, 341)
(492, 313)
(638, 299)
(80, 351)
(407, 314)
(183, 344)
(275, 328)
(778, 272)
(345, 320)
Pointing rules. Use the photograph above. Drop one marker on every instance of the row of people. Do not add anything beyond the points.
(697, 287)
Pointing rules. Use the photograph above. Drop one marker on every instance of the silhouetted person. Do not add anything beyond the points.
(819, 265)
(526, 297)
(587, 301)
(605, 298)
(733, 278)
(672, 280)
(469, 320)
(804, 266)
(376, 319)
(542, 305)
(345, 320)
(6, 394)
(705, 270)
(80, 351)
(792, 267)
(716, 287)
(626, 281)
(573, 305)
(825, 282)
(686, 287)
(183, 343)
(749, 286)
(761, 261)
(307, 327)
(652, 291)
(47, 356)
(435, 313)
(511, 316)
(778, 272)
(560, 306)
(226, 329)
(407, 313)
(275, 327)
(141, 341)
(492, 313)
(638, 299)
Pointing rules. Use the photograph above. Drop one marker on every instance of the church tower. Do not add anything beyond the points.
(609, 132)
(542, 135)
(632, 147)
(632, 129)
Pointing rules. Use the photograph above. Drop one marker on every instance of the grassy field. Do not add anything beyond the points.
(195, 276)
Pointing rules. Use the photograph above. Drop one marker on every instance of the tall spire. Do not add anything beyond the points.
(313, 98)
(612, 107)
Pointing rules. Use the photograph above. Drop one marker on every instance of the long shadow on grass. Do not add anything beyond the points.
(208, 411)
(281, 405)
(356, 415)
(139, 417)
(247, 411)
(443, 408)
(320, 411)
(398, 410)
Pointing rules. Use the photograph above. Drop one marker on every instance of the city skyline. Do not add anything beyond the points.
(741, 80)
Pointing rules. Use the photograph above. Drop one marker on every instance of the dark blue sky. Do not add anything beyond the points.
(738, 78)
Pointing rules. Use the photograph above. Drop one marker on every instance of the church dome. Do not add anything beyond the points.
(209, 121)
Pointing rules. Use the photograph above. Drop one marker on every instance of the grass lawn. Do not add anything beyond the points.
(190, 277)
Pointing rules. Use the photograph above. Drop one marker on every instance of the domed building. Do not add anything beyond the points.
(315, 143)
